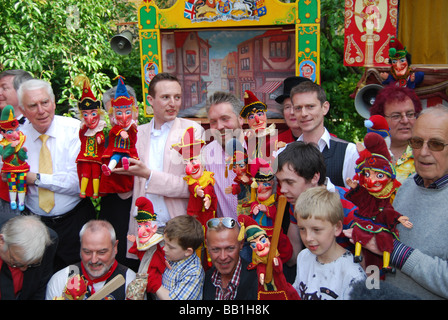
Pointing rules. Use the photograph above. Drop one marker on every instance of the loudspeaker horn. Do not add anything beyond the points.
(122, 43)
(365, 98)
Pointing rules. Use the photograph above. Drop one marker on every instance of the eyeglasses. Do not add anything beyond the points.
(400, 116)
(14, 264)
(227, 222)
(433, 145)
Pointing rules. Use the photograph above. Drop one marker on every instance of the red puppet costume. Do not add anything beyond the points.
(14, 157)
(377, 183)
(92, 141)
(278, 288)
(121, 142)
(259, 137)
(242, 181)
(148, 248)
(203, 202)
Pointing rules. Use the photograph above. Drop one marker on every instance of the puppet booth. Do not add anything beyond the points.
(229, 45)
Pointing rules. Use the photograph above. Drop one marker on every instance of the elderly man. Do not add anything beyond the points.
(27, 249)
(420, 256)
(10, 81)
(53, 185)
(400, 106)
(229, 278)
(223, 111)
(98, 265)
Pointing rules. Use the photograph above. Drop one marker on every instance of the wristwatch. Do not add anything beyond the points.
(37, 181)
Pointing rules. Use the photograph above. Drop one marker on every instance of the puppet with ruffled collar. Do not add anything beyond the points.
(237, 162)
(371, 190)
(123, 135)
(14, 157)
(259, 137)
(147, 245)
(203, 202)
(91, 135)
(278, 288)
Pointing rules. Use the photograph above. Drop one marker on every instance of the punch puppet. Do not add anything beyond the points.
(237, 162)
(203, 202)
(123, 135)
(371, 190)
(14, 157)
(147, 245)
(91, 135)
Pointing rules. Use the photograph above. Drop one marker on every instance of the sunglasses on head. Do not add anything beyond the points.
(433, 145)
(227, 222)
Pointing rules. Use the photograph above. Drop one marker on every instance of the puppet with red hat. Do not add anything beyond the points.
(203, 202)
(91, 135)
(278, 288)
(14, 157)
(241, 187)
(263, 199)
(123, 135)
(400, 71)
(371, 191)
(147, 245)
(259, 137)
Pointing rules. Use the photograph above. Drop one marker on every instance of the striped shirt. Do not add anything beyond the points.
(438, 184)
(185, 279)
(230, 292)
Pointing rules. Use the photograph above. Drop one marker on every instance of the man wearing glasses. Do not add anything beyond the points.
(229, 278)
(400, 106)
(27, 249)
(421, 256)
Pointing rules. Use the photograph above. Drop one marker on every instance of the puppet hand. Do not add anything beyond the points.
(384, 75)
(99, 140)
(207, 203)
(351, 183)
(255, 210)
(124, 134)
(405, 222)
(261, 278)
(275, 260)
(262, 207)
(200, 192)
(131, 237)
(228, 190)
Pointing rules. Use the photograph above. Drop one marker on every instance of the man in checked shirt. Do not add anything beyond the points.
(229, 278)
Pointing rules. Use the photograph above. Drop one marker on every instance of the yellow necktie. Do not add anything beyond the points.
(46, 197)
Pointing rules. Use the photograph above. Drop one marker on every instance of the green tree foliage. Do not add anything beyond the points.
(338, 80)
(58, 40)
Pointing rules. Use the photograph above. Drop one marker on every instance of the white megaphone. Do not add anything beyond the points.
(365, 98)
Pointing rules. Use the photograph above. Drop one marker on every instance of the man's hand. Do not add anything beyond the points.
(136, 168)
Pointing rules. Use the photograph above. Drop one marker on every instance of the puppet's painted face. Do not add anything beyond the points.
(264, 190)
(12, 134)
(240, 169)
(123, 116)
(400, 66)
(194, 168)
(260, 245)
(146, 230)
(91, 118)
(374, 181)
(257, 120)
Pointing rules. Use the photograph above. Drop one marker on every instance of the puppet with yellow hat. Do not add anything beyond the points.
(14, 157)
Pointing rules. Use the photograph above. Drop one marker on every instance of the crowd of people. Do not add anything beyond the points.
(65, 249)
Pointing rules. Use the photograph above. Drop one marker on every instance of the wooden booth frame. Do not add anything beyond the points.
(278, 27)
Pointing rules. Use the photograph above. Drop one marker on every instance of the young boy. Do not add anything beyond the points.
(325, 270)
(183, 278)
